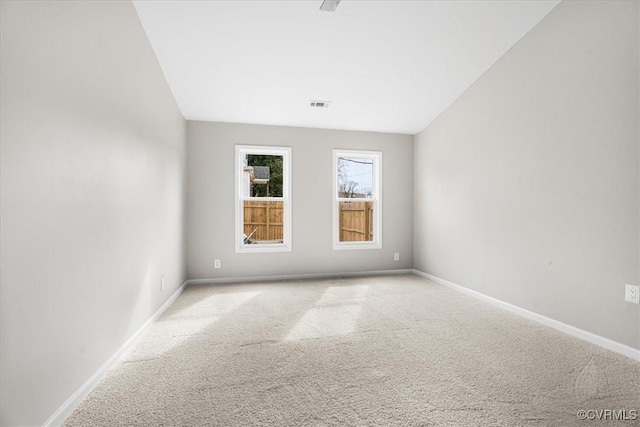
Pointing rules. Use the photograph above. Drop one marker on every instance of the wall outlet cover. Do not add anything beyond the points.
(632, 294)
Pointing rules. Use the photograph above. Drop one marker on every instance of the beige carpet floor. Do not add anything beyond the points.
(376, 351)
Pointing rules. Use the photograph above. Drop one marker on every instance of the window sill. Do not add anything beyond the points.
(252, 249)
(356, 246)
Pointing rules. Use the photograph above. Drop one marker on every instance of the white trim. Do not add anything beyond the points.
(603, 342)
(286, 153)
(376, 157)
(298, 276)
(83, 391)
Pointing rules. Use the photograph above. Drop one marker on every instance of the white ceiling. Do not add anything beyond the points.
(388, 66)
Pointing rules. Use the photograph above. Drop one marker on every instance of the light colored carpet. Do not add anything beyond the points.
(377, 351)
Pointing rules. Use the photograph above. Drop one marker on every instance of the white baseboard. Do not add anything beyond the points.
(74, 400)
(623, 349)
(298, 276)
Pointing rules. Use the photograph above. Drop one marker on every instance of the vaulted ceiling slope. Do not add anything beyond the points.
(387, 66)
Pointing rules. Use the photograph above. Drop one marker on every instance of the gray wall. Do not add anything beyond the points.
(93, 186)
(527, 187)
(211, 148)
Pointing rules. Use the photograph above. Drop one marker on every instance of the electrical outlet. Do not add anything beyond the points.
(216, 263)
(396, 256)
(632, 293)
(162, 284)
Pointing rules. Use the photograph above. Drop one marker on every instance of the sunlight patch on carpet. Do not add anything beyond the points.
(177, 328)
(320, 322)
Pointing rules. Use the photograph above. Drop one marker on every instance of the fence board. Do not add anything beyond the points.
(266, 217)
(356, 221)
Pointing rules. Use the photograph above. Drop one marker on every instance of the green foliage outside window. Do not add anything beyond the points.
(274, 188)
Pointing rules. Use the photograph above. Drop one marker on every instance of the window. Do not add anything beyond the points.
(357, 178)
(263, 199)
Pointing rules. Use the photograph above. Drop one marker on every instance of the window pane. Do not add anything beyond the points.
(262, 176)
(355, 221)
(263, 221)
(355, 178)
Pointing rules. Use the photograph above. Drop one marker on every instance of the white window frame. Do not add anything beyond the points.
(241, 152)
(376, 156)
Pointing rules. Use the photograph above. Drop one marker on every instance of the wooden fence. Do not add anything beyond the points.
(356, 221)
(267, 218)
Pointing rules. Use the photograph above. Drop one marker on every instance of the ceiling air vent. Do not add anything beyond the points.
(319, 104)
